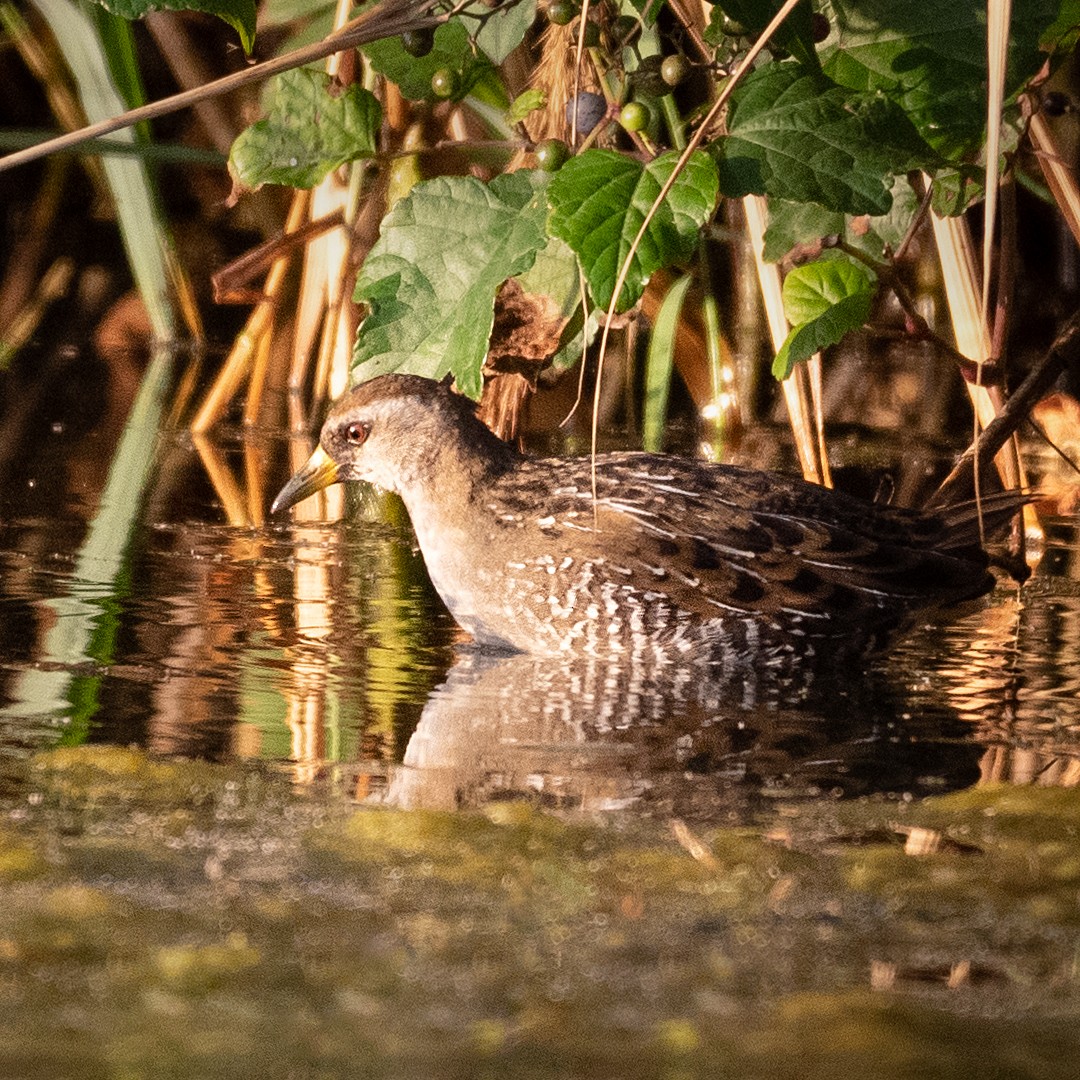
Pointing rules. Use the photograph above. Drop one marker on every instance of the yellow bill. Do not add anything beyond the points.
(319, 471)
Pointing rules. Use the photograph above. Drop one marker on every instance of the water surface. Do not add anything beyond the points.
(266, 812)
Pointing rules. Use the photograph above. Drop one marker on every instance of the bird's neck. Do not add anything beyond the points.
(452, 467)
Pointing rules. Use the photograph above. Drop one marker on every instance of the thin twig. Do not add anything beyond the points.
(388, 19)
(695, 141)
(916, 224)
(1064, 351)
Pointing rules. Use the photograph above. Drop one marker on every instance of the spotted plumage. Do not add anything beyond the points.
(673, 557)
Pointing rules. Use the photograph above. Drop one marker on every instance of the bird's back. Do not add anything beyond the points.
(687, 553)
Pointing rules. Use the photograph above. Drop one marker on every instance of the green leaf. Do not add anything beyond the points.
(431, 278)
(795, 223)
(824, 301)
(525, 103)
(801, 137)
(307, 133)
(239, 14)
(958, 187)
(792, 224)
(955, 190)
(647, 10)
(554, 274)
(599, 200)
(930, 58)
(453, 50)
(1062, 34)
(498, 31)
(658, 365)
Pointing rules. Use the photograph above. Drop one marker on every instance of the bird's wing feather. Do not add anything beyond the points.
(719, 540)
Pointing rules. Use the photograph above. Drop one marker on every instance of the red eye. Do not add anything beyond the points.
(357, 433)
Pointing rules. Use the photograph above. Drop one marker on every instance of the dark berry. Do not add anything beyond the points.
(561, 12)
(418, 42)
(591, 109)
(819, 27)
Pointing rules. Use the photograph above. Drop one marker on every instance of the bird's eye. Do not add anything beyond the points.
(357, 433)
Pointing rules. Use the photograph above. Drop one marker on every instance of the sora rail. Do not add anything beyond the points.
(676, 558)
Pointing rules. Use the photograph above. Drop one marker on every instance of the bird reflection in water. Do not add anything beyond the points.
(595, 735)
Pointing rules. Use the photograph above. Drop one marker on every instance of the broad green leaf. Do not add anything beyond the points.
(431, 278)
(498, 31)
(823, 301)
(791, 224)
(659, 363)
(452, 50)
(930, 58)
(957, 189)
(794, 223)
(803, 138)
(239, 14)
(599, 200)
(307, 133)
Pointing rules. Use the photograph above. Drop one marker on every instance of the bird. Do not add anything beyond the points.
(669, 558)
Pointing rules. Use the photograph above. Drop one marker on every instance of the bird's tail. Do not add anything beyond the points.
(970, 525)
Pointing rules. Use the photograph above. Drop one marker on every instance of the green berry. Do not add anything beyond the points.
(562, 12)
(674, 68)
(634, 116)
(444, 83)
(592, 34)
(418, 42)
(551, 154)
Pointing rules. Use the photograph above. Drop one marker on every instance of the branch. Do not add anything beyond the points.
(959, 484)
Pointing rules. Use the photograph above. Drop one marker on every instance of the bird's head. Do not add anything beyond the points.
(395, 432)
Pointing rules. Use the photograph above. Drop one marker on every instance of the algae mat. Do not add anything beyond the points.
(183, 919)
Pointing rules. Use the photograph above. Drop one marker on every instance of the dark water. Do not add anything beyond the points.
(319, 644)
(227, 754)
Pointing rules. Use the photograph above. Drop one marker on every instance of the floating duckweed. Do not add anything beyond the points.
(201, 968)
(17, 861)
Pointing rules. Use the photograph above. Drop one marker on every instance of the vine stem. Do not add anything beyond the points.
(695, 141)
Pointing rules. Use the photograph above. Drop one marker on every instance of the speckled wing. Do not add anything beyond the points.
(719, 540)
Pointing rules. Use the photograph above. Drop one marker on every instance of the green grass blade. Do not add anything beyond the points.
(658, 365)
(86, 620)
(144, 234)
